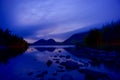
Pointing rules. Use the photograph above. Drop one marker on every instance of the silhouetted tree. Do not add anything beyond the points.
(106, 37)
(94, 38)
(8, 39)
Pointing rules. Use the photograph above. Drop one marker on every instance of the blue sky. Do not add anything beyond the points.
(35, 19)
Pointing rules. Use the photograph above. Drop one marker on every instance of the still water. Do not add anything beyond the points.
(60, 63)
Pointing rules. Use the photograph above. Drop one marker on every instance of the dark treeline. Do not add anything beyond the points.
(11, 40)
(106, 38)
(10, 45)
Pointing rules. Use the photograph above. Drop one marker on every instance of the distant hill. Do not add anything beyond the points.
(46, 42)
(76, 38)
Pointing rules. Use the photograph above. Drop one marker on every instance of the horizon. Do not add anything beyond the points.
(38, 19)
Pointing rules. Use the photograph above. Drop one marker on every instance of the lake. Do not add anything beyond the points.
(61, 63)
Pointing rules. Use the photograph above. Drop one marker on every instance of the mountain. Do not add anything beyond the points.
(69, 37)
(45, 42)
(63, 36)
(76, 38)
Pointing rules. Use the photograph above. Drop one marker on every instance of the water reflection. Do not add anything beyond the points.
(61, 63)
(97, 57)
(104, 61)
(8, 53)
(42, 49)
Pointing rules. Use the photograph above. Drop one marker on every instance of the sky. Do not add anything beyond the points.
(36, 19)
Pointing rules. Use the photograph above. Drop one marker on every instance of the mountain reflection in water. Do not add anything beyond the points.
(61, 63)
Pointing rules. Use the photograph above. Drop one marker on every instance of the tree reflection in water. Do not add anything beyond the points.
(8, 53)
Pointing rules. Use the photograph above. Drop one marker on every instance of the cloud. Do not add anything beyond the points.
(40, 18)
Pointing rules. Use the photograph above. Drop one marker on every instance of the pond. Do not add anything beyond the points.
(61, 63)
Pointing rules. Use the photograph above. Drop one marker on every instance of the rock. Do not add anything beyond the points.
(45, 72)
(86, 64)
(61, 70)
(94, 75)
(68, 57)
(55, 56)
(41, 75)
(51, 79)
(56, 59)
(30, 73)
(49, 63)
(57, 62)
(59, 51)
(55, 73)
(61, 56)
(70, 65)
(61, 67)
(67, 77)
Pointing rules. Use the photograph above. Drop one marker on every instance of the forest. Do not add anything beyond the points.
(8, 39)
(108, 37)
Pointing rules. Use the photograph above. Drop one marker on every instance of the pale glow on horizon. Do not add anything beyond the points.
(30, 40)
(67, 28)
